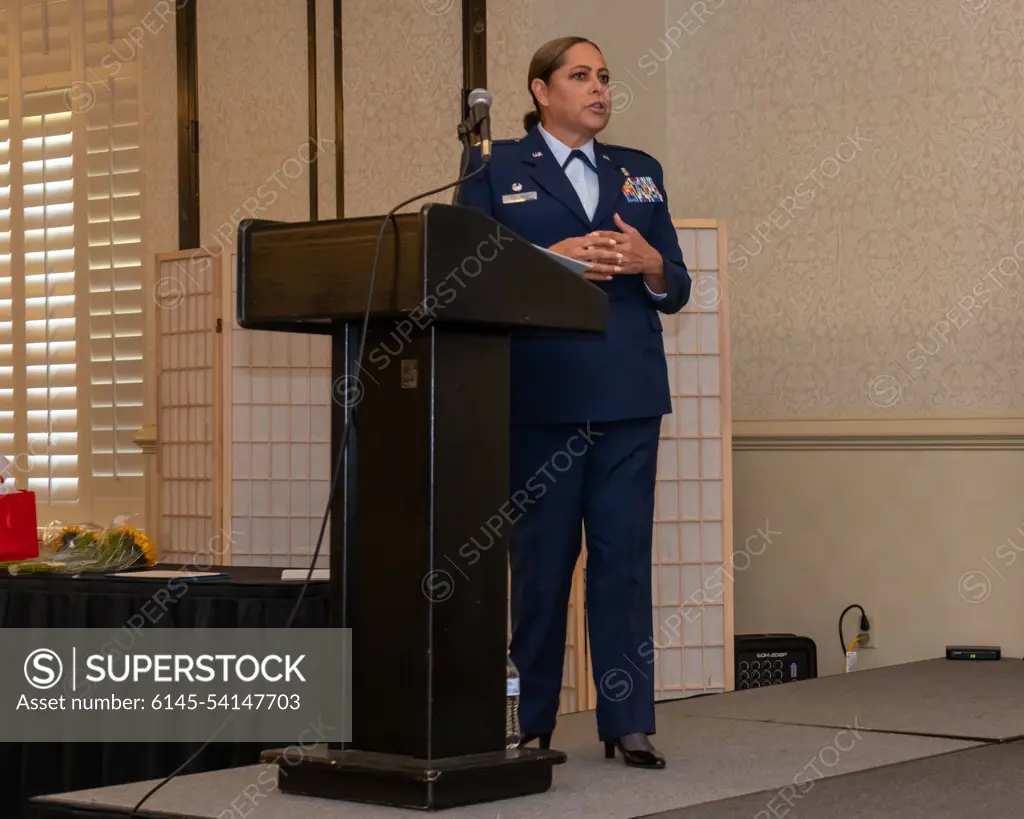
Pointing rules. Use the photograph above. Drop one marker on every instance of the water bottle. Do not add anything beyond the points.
(512, 735)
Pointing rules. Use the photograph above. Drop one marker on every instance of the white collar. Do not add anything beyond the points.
(561, 151)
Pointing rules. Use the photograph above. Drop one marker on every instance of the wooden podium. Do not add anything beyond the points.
(426, 468)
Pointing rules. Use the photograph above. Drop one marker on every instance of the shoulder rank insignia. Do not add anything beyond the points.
(627, 148)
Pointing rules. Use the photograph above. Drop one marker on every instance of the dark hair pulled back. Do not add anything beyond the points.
(548, 59)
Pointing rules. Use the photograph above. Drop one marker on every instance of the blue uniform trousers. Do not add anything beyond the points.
(601, 477)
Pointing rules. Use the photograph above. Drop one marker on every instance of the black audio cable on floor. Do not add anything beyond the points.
(339, 459)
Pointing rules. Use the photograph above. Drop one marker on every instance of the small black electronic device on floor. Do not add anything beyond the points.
(774, 659)
(973, 652)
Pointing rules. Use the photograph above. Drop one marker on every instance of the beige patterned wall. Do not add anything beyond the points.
(402, 64)
(516, 28)
(509, 41)
(253, 114)
(327, 167)
(868, 158)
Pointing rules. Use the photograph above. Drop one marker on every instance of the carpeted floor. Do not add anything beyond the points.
(979, 782)
(709, 759)
(933, 739)
(980, 700)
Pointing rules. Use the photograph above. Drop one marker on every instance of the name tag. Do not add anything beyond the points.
(513, 198)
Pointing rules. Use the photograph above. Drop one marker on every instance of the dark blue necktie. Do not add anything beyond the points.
(576, 152)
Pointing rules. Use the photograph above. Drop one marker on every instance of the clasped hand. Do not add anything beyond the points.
(612, 253)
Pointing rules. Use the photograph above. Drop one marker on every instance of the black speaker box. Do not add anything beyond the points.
(774, 659)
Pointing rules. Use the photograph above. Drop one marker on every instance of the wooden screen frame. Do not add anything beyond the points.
(588, 699)
(218, 409)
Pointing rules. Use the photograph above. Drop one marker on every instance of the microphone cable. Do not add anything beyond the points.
(341, 449)
(465, 135)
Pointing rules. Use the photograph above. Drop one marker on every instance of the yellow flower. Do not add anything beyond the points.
(66, 537)
(137, 539)
(145, 545)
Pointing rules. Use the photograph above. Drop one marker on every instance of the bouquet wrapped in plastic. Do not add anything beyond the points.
(88, 548)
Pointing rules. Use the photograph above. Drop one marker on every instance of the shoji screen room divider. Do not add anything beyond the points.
(256, 441)
(243, 452)
(692, 549)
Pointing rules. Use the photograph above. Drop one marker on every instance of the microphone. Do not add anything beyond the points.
(479, 102)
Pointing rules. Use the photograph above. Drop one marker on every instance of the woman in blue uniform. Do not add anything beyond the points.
(596, 399)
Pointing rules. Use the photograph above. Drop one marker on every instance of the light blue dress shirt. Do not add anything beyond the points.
(583, 178)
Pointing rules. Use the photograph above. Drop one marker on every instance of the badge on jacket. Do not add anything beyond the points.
(515, 198)
(641, 189)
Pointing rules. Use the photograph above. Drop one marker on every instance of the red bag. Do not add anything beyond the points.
(19, 538)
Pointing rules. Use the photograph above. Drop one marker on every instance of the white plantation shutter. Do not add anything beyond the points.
(48, 306)
(116, 298)
(71, 289)
(7, 414)
(45, 41)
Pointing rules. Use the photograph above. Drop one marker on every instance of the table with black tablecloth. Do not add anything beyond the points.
(251, 597)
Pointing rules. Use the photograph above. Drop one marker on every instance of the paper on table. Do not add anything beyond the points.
(168, 574)
(574, 265)
(300, 574)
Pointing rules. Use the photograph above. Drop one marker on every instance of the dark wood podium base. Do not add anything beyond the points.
(405, 782)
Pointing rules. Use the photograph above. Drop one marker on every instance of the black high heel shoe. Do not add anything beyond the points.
(635, 759)
(544, 740)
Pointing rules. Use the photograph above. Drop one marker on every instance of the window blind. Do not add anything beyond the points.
(47, 310)
(72, 297)
(7, 407)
